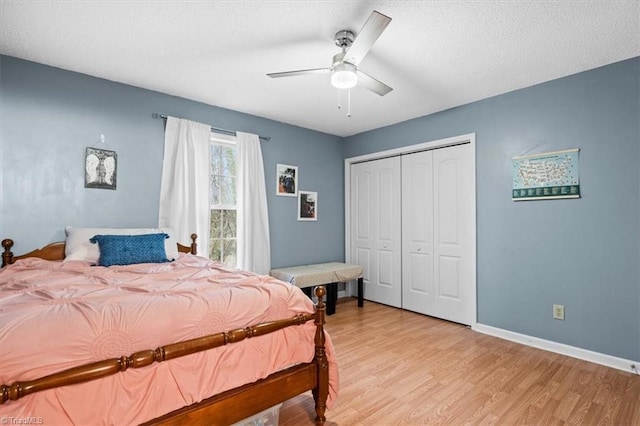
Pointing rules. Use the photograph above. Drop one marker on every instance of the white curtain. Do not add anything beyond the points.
(184, 191)
(254, 253)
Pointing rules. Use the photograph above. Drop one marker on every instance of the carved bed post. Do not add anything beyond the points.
(194, 246)
(321, 392)
(7, 255)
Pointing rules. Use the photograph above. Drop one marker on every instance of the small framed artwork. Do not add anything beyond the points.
(287, 180)
(307, 205)
(100, 168)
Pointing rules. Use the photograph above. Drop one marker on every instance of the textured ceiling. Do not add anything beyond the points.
(435, 54)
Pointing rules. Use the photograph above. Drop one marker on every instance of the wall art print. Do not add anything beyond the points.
(547, 176)
(286, 180)
(307, 205)
(100, 168)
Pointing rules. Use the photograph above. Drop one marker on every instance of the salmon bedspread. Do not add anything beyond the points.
(56, 315)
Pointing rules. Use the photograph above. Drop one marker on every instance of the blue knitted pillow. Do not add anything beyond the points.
(130, 249)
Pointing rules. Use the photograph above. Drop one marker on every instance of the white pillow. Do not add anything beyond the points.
(78, 246)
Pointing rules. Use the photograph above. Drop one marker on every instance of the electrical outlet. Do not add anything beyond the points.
(558, 312)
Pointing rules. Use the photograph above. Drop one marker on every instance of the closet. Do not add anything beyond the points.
(412, 227)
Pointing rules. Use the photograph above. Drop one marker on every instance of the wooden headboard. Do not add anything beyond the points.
(55, 251)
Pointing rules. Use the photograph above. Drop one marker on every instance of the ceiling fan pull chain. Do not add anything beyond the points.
(339, 98)
(348, 102)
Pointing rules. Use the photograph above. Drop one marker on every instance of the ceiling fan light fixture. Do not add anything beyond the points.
(344, 76)
(344, 67)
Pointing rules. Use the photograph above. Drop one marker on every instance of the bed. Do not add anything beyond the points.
(186, 341)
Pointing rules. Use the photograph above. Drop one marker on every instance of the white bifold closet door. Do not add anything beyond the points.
(375, 228)
(437, 214)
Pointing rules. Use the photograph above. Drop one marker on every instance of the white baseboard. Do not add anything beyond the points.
(561, 348)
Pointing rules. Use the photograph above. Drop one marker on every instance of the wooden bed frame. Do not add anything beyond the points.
(226, 408)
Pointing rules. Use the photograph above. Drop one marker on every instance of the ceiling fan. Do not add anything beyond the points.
(344, 69)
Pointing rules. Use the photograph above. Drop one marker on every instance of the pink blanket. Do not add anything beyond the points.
(56, 315)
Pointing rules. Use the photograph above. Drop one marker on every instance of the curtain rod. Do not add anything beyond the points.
(215, 129)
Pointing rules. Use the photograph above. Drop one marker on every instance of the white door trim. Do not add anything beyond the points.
(469, 138)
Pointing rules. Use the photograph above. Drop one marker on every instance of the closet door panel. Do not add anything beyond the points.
(417, 271)
(363, 219)
(363, 258)
(453, 213)
(449, 278)
(363, 240)
(385, 268)
(386, 205)
(417, 232)
(448, 214)
(411, 222)
(375, 205)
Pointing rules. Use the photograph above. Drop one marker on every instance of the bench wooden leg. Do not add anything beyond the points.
(332, 296)
(360, 292)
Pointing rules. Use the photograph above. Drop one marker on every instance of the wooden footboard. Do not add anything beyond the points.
(240, 403)
(228, 407)
(225, 408)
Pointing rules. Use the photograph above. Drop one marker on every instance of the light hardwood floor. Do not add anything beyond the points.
(398, 367)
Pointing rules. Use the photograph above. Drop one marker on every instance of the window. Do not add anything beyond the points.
(223, 237)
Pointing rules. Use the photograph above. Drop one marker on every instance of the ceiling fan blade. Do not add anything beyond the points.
(299, 72)
(368, 35)
(376, 86)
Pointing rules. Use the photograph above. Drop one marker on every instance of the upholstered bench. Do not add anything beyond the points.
(308, 276)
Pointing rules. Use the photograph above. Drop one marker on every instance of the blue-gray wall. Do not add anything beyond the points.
(48, 116)
(584, 253)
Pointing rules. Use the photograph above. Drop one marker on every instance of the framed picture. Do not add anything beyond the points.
(307, 205)
(100, 168)
(546, 176)
(287, 180)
